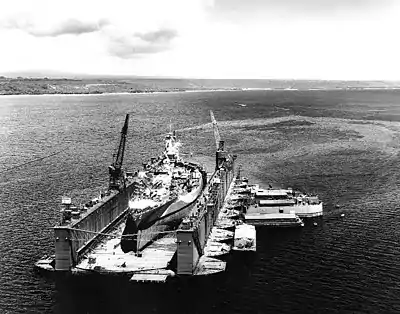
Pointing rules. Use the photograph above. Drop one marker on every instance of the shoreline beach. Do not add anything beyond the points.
(202, 91)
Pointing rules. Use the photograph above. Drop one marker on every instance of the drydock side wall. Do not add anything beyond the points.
(72, 241)
(191, 242)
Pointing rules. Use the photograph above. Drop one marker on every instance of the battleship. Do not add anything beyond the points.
(164, 194)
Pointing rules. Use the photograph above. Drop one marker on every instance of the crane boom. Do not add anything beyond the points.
(216, 131)
(115, 169)
(220, 153)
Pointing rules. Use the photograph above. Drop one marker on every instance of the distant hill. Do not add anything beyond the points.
(31, 84)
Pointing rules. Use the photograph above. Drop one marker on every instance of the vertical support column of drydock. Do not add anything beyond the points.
(64, 257)
(222, 187)
(210, 217)
(187, 255)
(229, 177)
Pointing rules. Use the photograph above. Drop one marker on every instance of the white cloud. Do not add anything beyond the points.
(69, 35)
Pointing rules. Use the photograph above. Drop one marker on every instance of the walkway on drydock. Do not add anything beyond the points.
(209, 263)
(108, 257)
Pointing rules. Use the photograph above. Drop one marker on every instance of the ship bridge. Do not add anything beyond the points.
(171, 146)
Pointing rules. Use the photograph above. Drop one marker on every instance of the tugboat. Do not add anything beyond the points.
(165, 192)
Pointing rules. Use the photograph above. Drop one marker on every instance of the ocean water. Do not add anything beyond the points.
(342, 145)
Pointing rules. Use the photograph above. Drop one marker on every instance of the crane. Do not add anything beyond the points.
(220, 154)
(117, 181)
(217, 137)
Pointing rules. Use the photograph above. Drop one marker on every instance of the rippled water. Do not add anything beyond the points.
(342, 145)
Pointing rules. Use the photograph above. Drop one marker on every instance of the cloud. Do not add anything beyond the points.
(307, 7)
(161, 35)
(131, 45)
(69, 26)
(126, 29)
(203, 38)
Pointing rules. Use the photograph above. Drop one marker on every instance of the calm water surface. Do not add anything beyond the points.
(342, 145)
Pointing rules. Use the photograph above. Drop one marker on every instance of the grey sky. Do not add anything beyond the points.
(317, 39)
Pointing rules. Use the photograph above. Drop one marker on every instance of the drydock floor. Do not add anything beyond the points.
(108, 257)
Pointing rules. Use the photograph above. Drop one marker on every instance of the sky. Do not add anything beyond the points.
(257, 39)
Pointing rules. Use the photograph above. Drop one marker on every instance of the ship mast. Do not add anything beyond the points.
(117, 181)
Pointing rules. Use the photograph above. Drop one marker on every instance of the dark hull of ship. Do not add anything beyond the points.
(134, 225)
(141, 230)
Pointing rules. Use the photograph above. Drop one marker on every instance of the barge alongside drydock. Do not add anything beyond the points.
(281, 208)
(274, 207)
(285, 201)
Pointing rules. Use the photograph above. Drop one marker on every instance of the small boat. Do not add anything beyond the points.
(216, 249)
(226, 223)
(230, 213)
(221, 235)
(46, 263)
(245, 238)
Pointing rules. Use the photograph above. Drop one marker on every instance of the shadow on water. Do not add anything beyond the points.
(99, 294)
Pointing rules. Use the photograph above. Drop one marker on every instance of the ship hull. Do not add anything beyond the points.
(145, 229)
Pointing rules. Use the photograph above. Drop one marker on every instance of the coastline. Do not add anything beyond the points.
(199, 91)
(21, 86)
(123, 93)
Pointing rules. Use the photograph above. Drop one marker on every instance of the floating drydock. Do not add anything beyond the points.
(185, 251)
(187, 233)
(88, 240)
